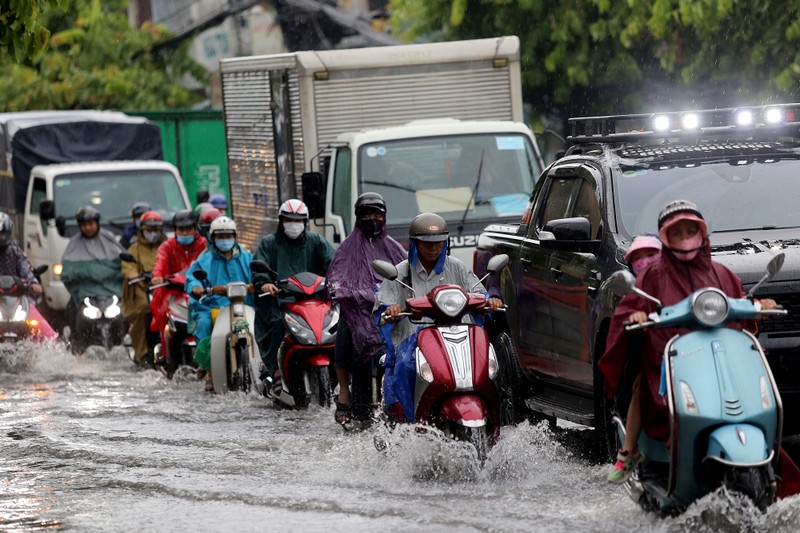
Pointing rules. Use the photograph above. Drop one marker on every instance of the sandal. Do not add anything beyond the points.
(209, 385)
(342, 414)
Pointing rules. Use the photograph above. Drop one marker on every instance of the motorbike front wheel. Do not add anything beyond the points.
(319, 378)
(757, 483)
(240, 379)
(479, 438)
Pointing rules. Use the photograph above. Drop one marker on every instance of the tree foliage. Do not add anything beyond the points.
(96, 61)
(22, 33)
(606, 56)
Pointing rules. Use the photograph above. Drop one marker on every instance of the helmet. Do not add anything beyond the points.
(370, 201)
(87, 213)
(6, 230)
(293, 209)
(642, 242)
(202, 207)
(676, 211)
(428, 227)
(222, 224)
(184, 218)
(208, 216)
(219, 201)
(152, 219)
(139, 208)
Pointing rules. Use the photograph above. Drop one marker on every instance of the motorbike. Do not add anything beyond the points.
(306, 353)
(235, 359)
(15, 321)
(456, 365)
(176, 346)
(725, 411)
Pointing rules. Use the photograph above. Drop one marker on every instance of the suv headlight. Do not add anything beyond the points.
(710, 307)
(451, 301)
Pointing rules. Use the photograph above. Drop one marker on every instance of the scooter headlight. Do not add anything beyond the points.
(710, 307)
(331, 325)
(237, 290)
(19, 314)
(113, 310)
(423, 368)
(300, 329)
(493, 366)
(91, 312)
(451, 301)
(687, 395)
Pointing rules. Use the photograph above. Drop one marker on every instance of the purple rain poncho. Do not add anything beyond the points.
(354, 285)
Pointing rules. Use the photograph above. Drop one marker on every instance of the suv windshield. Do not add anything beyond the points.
(736, 194)
(114, 193)
(441, 174)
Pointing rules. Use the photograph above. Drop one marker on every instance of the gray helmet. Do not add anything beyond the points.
(139, 209)
(428, 227)
(87, 213)
(370, 201)
(6, 230)
(184, 218)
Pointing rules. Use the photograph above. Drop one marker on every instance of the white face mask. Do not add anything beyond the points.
(293, 229)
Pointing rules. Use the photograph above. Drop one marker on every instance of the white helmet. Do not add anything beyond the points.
(293, 209)
(222, 225)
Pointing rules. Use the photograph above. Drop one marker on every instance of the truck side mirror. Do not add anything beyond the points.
(313, 184)
(61, 226)
(47, 210)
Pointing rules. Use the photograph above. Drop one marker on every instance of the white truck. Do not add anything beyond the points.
(432, 127)
(42, 191)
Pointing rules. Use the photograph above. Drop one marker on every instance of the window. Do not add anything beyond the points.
(343, 188)
(39, 194)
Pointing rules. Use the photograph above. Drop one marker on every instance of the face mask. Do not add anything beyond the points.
(371, 228)
(687, 249)
(225, 245)
(293, 229)
(184, 240)
(638, 265)
(151, 236)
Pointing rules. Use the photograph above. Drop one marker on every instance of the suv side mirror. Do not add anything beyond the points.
(571, 234)
(47, 210)
(313, 184)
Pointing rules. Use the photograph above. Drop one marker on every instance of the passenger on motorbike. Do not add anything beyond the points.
(130, 233)
(175, 255)
(684, 266)
(135, 297)
(353, 284)
(290, 250)
(13, 262)
(428, 266)
(224, 262)
(90, 266)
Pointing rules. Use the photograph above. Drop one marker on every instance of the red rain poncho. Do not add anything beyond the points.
(171, 259)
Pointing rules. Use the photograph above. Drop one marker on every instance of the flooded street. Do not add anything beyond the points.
(92, 444)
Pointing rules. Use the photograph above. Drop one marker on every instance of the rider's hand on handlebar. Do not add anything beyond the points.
(158, 280)
(495, 304)
(392, 312)
(220, 290)
(198, 292)
(270, 288)
(639, 317)
(36, 288)
(768, 304)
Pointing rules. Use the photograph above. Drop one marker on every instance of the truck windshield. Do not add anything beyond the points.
(488, 176)
(114, 193)
(738, 194)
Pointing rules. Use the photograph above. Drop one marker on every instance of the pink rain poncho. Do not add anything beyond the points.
(354, 285)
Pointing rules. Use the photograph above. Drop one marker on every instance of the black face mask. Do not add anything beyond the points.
(371, 228)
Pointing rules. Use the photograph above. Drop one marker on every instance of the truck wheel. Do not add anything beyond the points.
(512, 407)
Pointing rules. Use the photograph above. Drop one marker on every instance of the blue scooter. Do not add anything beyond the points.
(726, 416)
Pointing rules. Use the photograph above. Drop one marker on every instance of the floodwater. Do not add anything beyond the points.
(91, 444)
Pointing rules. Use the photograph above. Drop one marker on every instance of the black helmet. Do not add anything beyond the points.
(139, 209)
(6, 230)
(370, 201)
(87, 213)
(428, 227)
(184, 218)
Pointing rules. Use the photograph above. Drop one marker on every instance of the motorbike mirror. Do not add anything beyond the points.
(621, 282)
(262, 267)
(200, 274)
(128, 258)
(497, 263)
(384, 269)
(773, 267)
(41, 269)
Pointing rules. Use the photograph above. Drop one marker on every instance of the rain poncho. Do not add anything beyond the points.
(354, 284)
(91, 266)
(308, 253)
(172, 258)
(401, 337)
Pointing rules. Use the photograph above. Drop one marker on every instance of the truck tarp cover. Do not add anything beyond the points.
(77, 142)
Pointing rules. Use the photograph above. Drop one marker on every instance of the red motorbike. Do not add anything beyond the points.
(306, 353)
(176, 347)
(456, 365)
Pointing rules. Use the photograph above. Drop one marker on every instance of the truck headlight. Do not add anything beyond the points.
(710, 307)
(451, 301)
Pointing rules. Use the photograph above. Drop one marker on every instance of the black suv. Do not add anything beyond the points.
(740, 166)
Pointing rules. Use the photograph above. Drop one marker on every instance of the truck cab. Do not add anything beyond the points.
(55, 192)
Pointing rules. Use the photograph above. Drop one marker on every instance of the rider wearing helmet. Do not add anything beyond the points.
(135, 299)
(13, 262)
(353, 285)
(206, 218)
(90, 265)
(219, 201)
(130, 232)
(290, 250)
(428, 266)
(225, 261)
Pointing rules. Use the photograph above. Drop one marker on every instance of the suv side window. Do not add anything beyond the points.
(570, 195)
(558, 199)
(588, 207)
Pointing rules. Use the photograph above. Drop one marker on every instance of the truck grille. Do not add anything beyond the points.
(783, 323)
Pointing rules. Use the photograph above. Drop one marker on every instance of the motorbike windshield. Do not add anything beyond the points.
(733, 195)
(471, 177)
(113, 194)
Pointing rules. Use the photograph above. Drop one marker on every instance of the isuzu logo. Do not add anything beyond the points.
(463, 241)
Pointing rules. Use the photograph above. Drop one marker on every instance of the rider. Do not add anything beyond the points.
(90, 265)
(683, 267)
(428, 266)
(289, 251)
(643, 251)
(135, 299)
(13, 262)
(130, 233)
(354, 284)
(224, 262)
(219, 202)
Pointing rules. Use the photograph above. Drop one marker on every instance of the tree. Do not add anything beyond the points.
(609, 56)
(21, 30)
(96, 61)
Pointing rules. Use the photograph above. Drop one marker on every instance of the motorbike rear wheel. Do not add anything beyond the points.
(757, 483)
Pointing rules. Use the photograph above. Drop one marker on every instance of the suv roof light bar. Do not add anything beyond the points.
(777, 119)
